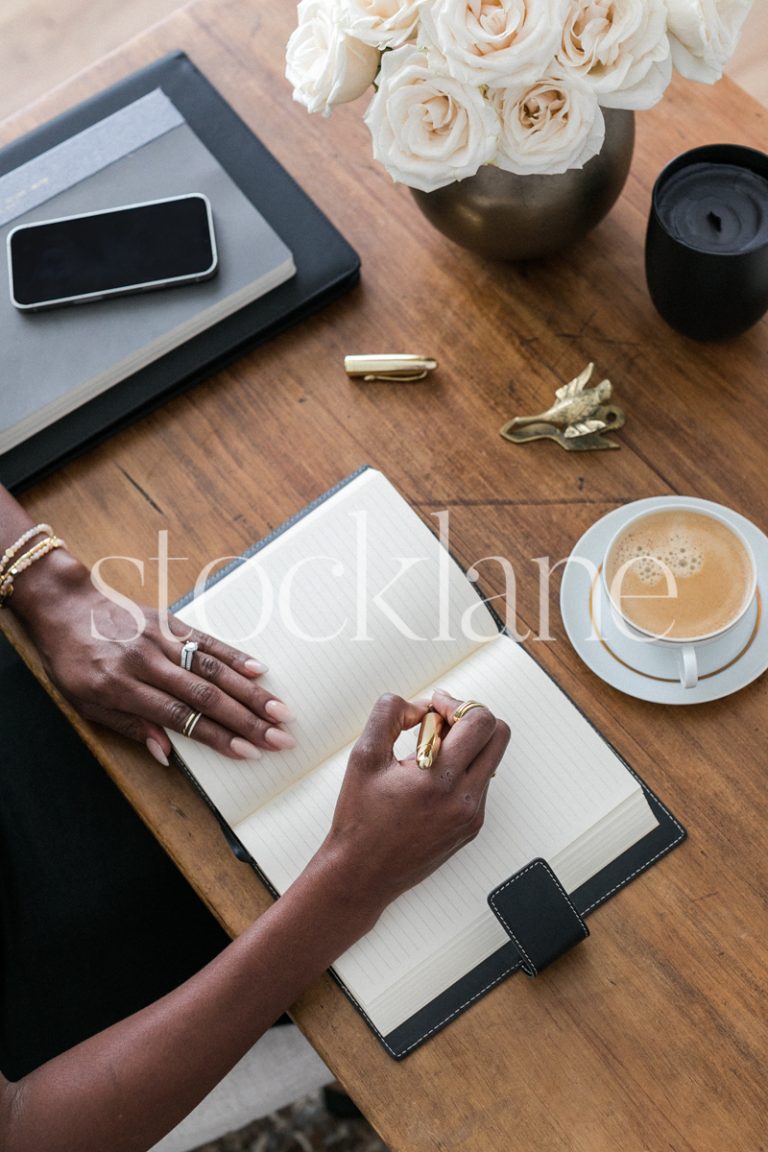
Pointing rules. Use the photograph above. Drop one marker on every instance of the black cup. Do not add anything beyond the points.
(706, 249)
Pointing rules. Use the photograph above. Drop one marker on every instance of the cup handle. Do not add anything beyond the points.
(689, 668)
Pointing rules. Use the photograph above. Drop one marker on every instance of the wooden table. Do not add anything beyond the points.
(653, 1036)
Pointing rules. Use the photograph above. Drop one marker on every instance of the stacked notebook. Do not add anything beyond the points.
(70, 376)
(356, 597)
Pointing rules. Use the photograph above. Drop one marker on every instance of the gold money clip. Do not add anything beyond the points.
(392, 367)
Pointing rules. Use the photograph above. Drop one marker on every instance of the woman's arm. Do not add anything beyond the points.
(125, 1088)
(129, 677)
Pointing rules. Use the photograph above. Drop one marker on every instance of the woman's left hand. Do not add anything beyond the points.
(120, 666)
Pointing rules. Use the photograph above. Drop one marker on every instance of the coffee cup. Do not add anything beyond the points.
(680, 582)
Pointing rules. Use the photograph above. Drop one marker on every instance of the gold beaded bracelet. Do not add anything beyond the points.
(36, 552)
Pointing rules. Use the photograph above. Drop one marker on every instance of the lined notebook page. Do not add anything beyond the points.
(355, 599)
(560, 793)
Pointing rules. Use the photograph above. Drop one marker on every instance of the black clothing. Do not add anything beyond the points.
(95, 920)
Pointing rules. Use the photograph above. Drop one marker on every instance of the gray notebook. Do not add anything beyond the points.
(52, 362)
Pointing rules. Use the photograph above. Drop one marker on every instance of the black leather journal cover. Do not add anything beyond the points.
(326, 265)
(531, 905)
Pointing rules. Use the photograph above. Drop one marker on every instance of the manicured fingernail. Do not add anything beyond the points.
(278, 711)
(243, 750)
(256, 666)
(279, 739)
(155, 750)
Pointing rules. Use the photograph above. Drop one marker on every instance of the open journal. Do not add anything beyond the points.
(357, 597)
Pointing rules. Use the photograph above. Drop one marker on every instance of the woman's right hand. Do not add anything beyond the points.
(395, 823)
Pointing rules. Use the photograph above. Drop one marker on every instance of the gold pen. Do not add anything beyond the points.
(430, 739)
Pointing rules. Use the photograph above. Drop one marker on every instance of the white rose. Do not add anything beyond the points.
(553, 125)
(704, 34)
(620, 48)
(428, 129)
(495, 42)
(326, 65)
(382, 23)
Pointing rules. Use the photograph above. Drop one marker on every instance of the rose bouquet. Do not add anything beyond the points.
(520, 84)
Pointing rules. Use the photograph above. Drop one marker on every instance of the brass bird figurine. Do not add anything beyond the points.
(576, 420)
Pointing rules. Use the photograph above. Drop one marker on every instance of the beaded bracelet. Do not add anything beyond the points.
(10, 552)
(36, 552)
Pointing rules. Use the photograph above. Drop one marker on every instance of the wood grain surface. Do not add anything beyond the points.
(652, 1036)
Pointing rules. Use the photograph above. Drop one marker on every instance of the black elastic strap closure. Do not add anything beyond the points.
(538, 915)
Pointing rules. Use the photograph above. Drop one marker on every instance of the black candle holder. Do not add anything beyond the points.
(706, 294)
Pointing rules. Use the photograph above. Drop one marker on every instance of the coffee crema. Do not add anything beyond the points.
(679, 574)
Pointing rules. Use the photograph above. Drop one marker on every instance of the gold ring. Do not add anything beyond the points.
(462, 709)
(190, 722)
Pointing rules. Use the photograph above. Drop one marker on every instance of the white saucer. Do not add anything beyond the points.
(575, 606)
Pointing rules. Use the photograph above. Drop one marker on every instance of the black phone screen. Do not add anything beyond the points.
(126, 249)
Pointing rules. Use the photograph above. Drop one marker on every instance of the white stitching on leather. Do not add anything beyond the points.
(541, 863)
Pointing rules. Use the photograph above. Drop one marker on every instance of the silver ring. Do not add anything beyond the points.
(190, 723)
(187, 653)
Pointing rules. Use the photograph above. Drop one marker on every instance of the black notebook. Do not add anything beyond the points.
(354, 597)
(238, 166)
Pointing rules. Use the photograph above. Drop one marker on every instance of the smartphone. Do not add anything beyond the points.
(114, 252)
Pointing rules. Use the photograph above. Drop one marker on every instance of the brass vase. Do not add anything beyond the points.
(509, 217)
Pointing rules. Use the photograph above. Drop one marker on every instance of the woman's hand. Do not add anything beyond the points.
(395, 823)
(130, 678)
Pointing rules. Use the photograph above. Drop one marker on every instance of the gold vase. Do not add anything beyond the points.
(509, 217)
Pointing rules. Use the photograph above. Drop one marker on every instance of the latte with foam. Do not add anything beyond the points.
(680, 574)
